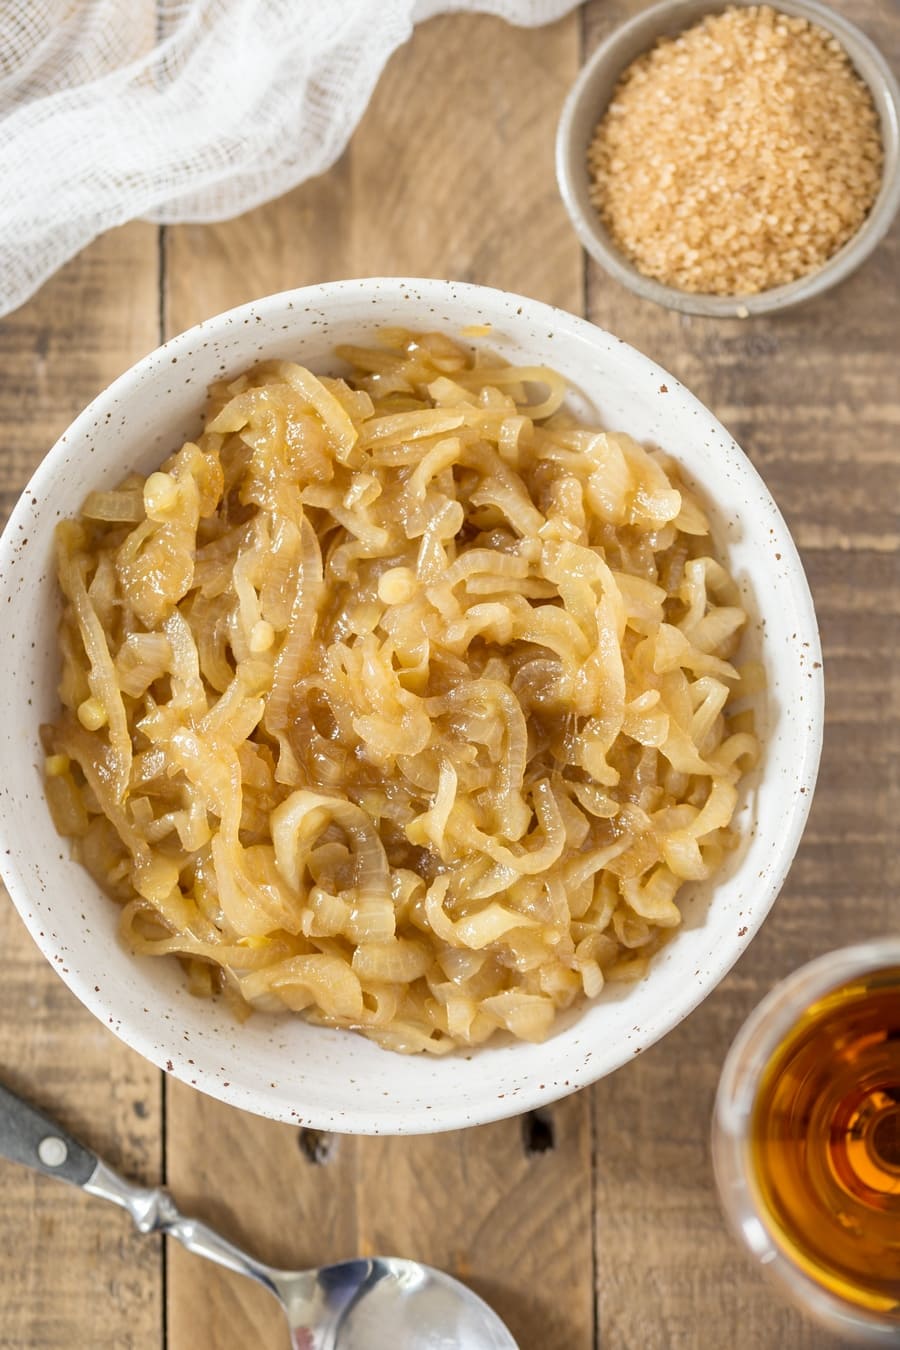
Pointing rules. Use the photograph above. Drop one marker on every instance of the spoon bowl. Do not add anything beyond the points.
(386, 1301)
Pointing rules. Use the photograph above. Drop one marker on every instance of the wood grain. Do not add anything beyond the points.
(597, 1223)
(450, 173)
(812, 396)
(72, 1273)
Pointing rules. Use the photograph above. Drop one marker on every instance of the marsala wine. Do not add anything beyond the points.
(825, 1142)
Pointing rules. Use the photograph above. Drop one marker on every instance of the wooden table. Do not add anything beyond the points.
(596, 1223)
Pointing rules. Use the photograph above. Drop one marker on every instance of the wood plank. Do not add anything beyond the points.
(505, 1207)
(450, 174)
(812, 397)
(72, 1272)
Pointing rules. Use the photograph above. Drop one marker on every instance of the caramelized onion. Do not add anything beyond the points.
(399, 701)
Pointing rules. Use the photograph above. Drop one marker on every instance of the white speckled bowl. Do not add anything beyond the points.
(282, 1067)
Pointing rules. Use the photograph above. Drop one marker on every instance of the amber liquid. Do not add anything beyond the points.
(825, 1141)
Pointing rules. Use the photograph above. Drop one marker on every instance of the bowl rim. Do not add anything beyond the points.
(364, 1118)
(869, 63)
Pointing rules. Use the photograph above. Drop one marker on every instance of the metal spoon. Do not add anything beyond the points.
(381, 1303)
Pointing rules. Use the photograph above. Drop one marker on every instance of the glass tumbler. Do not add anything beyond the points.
(806, 1139)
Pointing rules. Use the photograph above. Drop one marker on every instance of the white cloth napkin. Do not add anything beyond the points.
(177, 110)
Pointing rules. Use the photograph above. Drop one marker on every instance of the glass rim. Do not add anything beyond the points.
(749, 1054)
(765, 1027)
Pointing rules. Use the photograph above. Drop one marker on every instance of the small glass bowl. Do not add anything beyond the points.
(592, 91)
(753, 1048)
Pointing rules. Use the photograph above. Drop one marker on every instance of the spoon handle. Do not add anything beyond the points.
(27, 1136)
(154, 1211)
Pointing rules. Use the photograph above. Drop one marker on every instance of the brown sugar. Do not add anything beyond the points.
(737, 156)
